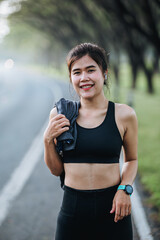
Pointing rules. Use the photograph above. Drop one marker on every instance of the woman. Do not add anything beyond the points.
(96, 202)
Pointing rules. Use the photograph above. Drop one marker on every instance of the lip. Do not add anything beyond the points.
(89, 85)
(86, 88)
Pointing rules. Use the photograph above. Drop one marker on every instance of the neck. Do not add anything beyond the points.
(99, 102)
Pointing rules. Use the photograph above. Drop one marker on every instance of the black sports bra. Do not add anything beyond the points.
(101, 144)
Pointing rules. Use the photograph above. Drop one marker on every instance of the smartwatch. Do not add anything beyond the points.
(127, 188)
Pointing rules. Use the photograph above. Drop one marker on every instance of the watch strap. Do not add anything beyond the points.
(121, 187)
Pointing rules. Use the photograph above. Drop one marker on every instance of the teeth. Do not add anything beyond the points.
(87, 86)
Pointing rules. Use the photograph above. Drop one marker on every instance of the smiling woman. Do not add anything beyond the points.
(88, 69)
(96, 202)
(87, 77)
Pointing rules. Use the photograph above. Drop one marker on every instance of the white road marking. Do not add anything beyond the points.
(138, 213)
(139, 216)
(22, 173)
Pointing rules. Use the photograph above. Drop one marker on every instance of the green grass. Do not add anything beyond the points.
(147, 108)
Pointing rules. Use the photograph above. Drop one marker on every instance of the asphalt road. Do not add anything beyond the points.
(25, 102)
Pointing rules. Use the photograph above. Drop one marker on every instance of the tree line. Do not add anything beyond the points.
(131, 27)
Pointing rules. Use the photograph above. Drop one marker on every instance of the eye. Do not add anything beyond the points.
(76, 73)
(91, 70)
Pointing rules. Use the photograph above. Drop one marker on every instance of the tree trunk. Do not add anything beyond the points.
(131, 94)
(117, 83)
(149, 75)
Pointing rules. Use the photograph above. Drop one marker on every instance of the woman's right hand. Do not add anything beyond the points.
(57, 125)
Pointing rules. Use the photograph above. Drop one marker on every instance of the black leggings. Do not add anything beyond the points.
(85, 215)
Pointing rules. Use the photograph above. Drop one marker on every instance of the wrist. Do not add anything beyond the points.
(49, 141)
(128, 189)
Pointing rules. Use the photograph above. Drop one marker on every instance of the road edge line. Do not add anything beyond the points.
(139, 216)
(138, 213)
(24, 170)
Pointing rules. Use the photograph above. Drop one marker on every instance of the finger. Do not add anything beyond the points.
(117, 217)
(120, 218)
(123, 210)
(113, 207)
(59, 120)
(63, 123)
(129, 210)
(59, 116)
(64, 129)
(126, 212)
(117, 214)
(59, 124)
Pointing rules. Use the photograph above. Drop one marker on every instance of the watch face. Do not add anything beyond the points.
(129, 189)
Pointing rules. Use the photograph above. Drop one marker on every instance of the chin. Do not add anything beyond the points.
(89, 96)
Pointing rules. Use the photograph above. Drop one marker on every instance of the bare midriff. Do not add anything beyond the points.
(89, 176)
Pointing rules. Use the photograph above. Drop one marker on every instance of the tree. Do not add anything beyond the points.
(130, 26)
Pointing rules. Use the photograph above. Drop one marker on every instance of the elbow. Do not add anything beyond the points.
(55, 169)
(134, 160)
(56, 172)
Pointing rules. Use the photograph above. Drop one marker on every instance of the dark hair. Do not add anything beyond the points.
(94, 51)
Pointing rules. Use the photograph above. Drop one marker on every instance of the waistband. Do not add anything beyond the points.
(91, 191)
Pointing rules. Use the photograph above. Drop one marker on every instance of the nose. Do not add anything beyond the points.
(84, 76)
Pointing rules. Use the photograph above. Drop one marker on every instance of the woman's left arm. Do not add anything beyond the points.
(122, 202)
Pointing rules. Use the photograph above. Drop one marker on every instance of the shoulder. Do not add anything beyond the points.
(64, 101)
(125, 109)
(53, 113)
(125, 113)
(58, 105)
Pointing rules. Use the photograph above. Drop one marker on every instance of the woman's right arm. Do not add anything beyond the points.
(58, 124)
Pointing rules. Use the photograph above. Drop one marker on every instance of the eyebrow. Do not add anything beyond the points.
(91, 66)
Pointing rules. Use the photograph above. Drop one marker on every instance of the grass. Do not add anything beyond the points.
(147, 108)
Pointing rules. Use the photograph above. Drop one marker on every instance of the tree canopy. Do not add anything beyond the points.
(130, 26)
